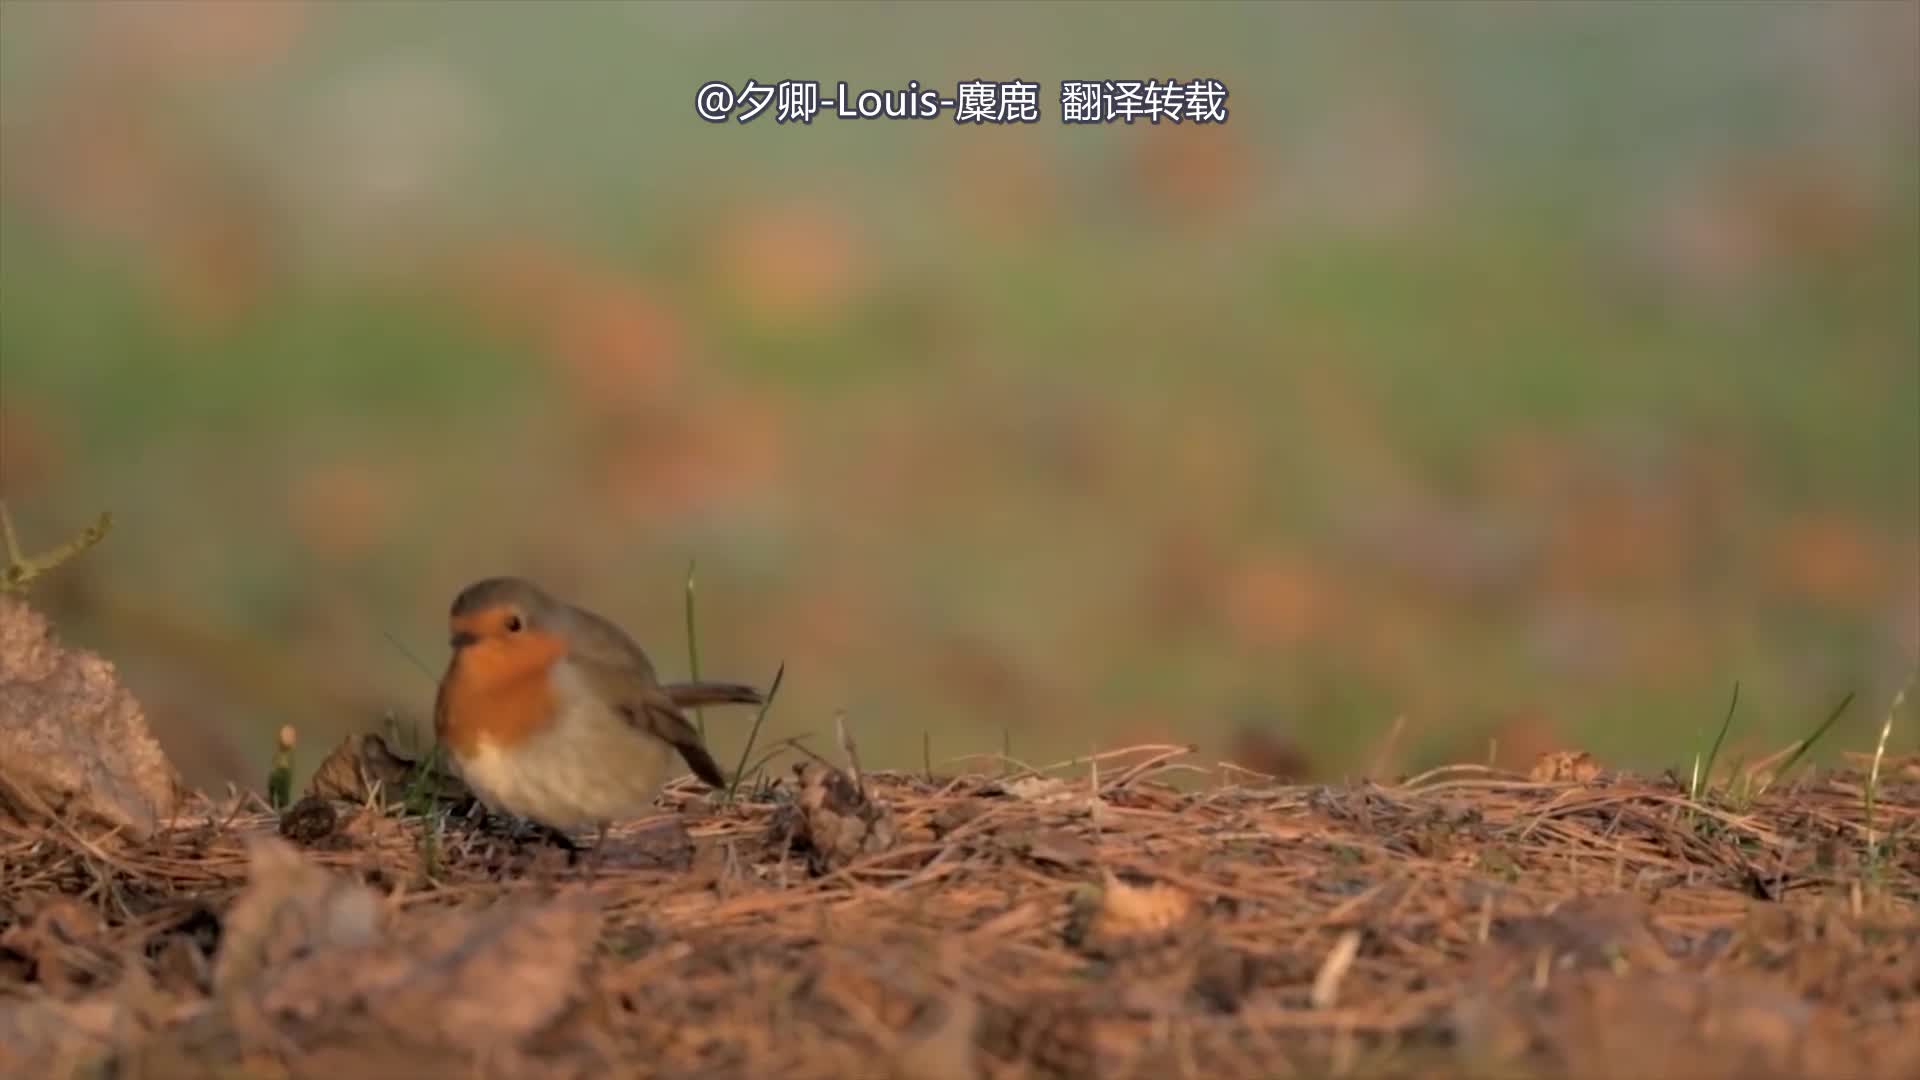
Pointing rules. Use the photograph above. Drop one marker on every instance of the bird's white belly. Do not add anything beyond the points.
(588, 769)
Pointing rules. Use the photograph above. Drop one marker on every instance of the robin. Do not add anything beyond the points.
(552, 713)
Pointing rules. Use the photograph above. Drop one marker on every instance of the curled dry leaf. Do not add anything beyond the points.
(833, 820)
(363, 761)
(1148, 936)
(1119, 910)
(72, 740)
(1564, 767)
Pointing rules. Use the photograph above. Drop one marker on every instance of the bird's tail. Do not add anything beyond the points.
(690, 695)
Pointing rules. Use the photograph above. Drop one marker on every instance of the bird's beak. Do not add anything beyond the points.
(462, 639)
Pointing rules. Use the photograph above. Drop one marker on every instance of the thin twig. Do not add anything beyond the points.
(21, 568)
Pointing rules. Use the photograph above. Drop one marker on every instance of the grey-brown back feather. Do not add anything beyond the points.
(598, 640)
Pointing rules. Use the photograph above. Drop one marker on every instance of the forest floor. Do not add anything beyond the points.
(1113, 917)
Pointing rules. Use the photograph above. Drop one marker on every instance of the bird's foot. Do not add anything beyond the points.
(557, 838)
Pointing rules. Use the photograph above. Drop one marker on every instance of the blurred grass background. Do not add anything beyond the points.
(1528, 371)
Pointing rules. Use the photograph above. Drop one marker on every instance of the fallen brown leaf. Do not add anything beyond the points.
(72, 740)
(364, 761)
(1564, 766)
(833, 820)
(1121, 910)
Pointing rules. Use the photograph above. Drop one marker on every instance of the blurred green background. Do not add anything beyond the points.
(1530, 372)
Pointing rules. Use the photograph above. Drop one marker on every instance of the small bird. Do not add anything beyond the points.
(552, 713)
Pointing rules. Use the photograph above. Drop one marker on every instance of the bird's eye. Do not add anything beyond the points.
(513, 624)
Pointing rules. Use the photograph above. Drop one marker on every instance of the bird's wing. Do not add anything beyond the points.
(650, 709)
(597, 640)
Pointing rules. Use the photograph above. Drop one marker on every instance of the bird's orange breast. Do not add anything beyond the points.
(498, 691)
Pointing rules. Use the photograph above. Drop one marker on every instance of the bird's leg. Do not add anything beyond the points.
(510, 828)
(600, 850)
(475, 818)
(561, 840)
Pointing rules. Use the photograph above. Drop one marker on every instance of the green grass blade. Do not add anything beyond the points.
(1706, 775)
(753, 734)
(693, 653)
(1801, 751)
